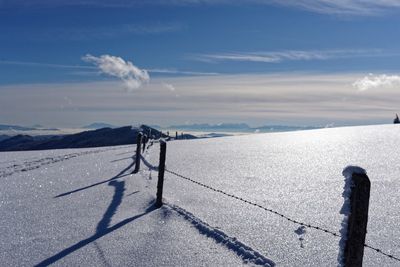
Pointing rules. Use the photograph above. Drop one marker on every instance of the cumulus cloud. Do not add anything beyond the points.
(132, 76)
(377, 81)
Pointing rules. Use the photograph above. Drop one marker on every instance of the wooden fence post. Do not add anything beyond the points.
(358, 219)
(161, 169)
(144, 141)
(138, 155)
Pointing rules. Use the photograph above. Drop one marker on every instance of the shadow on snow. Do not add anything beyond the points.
(103, 227)
(245, 252)
(119, 175)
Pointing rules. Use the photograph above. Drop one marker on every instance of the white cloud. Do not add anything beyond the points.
(377, 81)
(285, 98)
(287, 55)
(236, 57)
(169, 86)
(41, 64)
(132, 76)
(335, 7)
(182, 72)
(103, 32)
(90, 68)
(342, 7)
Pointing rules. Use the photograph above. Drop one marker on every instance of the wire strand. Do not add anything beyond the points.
(257, 205)
(318, 228)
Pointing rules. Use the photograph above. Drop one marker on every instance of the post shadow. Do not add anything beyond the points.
(102, 228)
(119, 175)
(112, 208)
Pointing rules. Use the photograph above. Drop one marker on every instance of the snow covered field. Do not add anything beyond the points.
(82, 207)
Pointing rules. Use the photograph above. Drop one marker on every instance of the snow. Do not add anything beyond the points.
(346, 208)
(242, 250)
(89, 210)
(301, 231)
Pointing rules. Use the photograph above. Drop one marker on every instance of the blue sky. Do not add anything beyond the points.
(44, 42)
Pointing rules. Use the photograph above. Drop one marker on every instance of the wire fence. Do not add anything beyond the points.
(318, 228)
(297, 222)
(255, 205)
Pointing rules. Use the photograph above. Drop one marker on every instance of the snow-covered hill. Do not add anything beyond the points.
(83, 207)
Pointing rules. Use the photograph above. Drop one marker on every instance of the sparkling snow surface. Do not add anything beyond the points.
(109, 221)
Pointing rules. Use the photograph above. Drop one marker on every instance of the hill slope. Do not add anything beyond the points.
(94, 138)
(83, 207)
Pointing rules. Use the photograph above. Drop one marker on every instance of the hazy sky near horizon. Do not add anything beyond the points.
(70, 63)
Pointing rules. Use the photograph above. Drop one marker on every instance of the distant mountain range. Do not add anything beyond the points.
(211, 127)
(93, 138)
(238, 127)
(99, 125)
(104, 134)
(95, 125)
(4, 137)
(15, 127)
(202, 127)
(5, 127)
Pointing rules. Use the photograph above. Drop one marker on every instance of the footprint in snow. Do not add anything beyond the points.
(301, 232)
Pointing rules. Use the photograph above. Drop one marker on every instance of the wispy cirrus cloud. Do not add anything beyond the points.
(342, 7)
(288, 55)
(41, 64)
(293, 99)
(132, 76)
(92, 70)
(335, 7)
(182, 72)
(377, 81)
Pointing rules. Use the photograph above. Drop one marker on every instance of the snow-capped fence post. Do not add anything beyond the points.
(360, 186)
(161, 169)
(138, 155)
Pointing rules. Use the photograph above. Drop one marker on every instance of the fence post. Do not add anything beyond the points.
(144, 141)
(138, 155)
(161, 169)
(358, 219)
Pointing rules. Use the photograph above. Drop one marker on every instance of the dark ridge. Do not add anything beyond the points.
(92, 138)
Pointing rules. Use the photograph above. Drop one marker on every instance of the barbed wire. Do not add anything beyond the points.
(256, 205)
(318, 228)
(381, 252)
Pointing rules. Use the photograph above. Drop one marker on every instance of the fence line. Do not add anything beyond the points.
(381, 252)
(279, 214)
(318, 228)
(256, 205)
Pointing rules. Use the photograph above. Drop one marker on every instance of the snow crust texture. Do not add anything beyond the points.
(37, 163)
(90, 210)
(245, 252)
